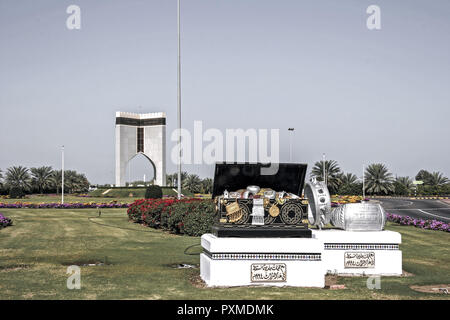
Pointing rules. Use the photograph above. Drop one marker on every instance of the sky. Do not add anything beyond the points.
(360, 96)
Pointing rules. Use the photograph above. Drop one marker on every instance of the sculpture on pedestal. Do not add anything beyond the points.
(251, 204)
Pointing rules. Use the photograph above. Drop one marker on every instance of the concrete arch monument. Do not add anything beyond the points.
(141, 134)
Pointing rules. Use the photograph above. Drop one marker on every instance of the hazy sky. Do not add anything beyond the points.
(358, 95)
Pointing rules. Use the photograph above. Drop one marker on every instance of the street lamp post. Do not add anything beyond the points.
(291, 130)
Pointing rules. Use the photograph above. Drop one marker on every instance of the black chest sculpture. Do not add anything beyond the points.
(254, 202)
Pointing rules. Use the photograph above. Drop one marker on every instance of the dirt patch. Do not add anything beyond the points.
(197, 281)
(182, 266)
(407, 274)
(433, 288)
(87, 263)
(14, 267)
(331, 282)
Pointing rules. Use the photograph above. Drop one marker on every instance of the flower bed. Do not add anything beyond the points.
(4, 221)
(336, 200)
(192, 216)
(73, 205)
(419, 223)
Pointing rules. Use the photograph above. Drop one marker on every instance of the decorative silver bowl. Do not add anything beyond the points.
(364, 216)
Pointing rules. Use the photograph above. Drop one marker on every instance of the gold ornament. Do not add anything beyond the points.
(274, 211)
(234, 212)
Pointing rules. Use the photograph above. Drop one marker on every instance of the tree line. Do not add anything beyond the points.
(379, 181)
(191, 182)
(19, 179)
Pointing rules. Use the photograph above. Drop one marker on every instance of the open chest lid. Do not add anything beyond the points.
(289, 177)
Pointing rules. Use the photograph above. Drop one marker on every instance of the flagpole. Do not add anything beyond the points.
(62, 175)
(179, 96)
(364, 186)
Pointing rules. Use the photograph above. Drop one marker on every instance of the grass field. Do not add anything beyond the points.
(140, 261)
(69, 199)
(127, 195)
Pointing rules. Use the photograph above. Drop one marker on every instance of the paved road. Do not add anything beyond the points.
(423, 209)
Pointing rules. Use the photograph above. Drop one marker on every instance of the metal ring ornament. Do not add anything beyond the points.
(319, 203)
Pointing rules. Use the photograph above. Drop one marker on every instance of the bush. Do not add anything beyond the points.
(200, 219)
(187, 216)
(153, 192)
(4, 222)
(16, 193)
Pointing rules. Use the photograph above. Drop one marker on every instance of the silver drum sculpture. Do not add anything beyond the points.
(364, 216)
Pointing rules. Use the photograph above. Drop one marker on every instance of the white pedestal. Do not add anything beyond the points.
(262, 261)
(361, 253)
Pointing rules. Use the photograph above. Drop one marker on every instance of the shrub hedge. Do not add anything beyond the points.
(4, 221)
(153, 192)
(192, 217)
(16, 193)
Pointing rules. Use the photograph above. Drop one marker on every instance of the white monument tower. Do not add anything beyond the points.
(141, 134)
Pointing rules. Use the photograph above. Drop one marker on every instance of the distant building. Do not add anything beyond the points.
(141, 134)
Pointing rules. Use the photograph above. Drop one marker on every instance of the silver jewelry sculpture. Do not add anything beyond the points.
(364, 216)
(319, 201)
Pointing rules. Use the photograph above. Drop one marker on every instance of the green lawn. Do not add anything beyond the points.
(35, 252)
(69, 198)
(120, 195)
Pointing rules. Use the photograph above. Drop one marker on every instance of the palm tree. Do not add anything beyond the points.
(348, 184)
(403, 185)
(437, 179)
(171, 179)
(42, 177)
(378, 179)
(192, 183)
(18, 177)
(75, 182)
(207, 185)
(348, 179)
(332, 172)
(56, 180)
(406, 182)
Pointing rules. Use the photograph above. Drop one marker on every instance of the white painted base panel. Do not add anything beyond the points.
(228, 261)
(382, 246)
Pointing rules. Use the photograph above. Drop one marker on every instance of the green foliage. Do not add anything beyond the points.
(200, 219)
(41, 178)
(190, 182)
(378, 180)
(193, 183)
(153, 192)
(332, 173)
(187, 216)
(348, 184)
(18, 177)
(423, 175)
(403, 186)
(16, 192)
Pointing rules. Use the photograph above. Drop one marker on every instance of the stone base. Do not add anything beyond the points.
(360, 253)
(262, 261)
